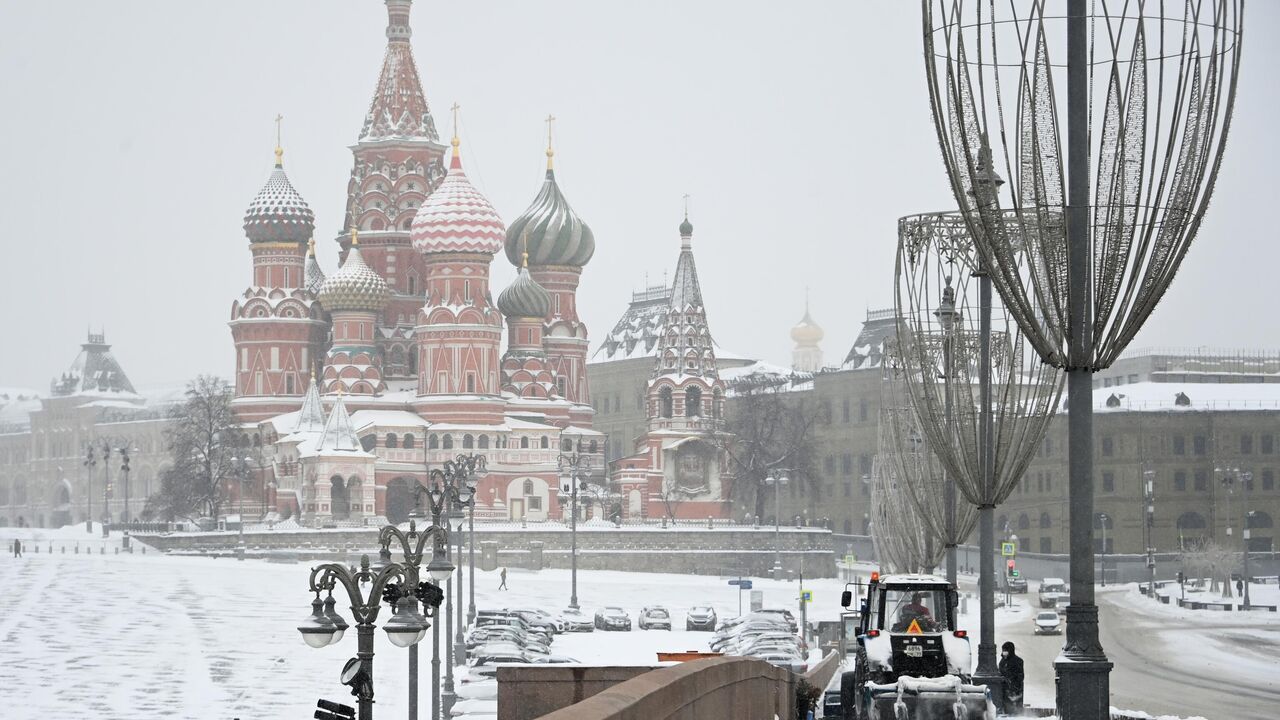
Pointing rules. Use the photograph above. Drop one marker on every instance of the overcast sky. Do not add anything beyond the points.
(136, 133)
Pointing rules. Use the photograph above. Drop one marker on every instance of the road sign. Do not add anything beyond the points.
(1008, 549)
(742, 584)
(850, 559)
(806, 595)
(735, 582)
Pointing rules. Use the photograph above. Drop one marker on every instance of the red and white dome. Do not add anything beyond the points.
(457, 218)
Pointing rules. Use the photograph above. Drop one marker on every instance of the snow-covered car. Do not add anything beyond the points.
(783, 660)
(540, 619)
(479, 674)
(554, 660)
(1048, 622)
(654, 618)
(505, 646)
(1052, 590)
(575, 621)
(476, 707)
(477, 688)
(784, 613)
(498, 656)
(700, 617)
(612, 618)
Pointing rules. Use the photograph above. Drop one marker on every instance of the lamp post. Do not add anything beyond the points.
(1102, 520)
(1149, 527)
(89, 462)
(406, 627)
(411, 545)
(777, 479)
(1245, 578)
(471, 562)
(452, 489)
(573, 467)
(106, 486)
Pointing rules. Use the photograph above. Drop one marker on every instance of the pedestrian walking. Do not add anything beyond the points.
(503, 575)
(1011, 672)
(17, 548)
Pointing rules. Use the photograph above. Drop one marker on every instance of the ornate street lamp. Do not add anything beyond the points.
(325, 626)
(1149, 90)
(777, 479)
(439, 569)
(574, 466)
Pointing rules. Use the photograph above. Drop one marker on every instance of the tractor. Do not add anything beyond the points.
(910, 660)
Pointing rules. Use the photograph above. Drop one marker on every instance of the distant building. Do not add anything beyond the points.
(45, 440)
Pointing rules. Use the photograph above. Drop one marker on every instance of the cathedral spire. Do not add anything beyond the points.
(399, 109)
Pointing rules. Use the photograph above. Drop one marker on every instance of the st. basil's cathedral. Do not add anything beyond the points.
(357, 382)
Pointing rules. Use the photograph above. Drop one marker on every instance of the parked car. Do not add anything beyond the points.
(1048, 622)
(655, 617)
(553, 660)
(783, 660)
(498, 655)
(700, 617)
(612, 618)
(575, 621)
(786, 614)
(539, 619)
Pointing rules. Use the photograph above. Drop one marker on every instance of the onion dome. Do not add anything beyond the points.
(555, 234)
(456, 217)
(278, 213)
(313, 276)
(686, 227)
(525, 297)
(355, 285)
(807, 332)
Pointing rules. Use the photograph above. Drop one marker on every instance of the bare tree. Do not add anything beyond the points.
(202, 443)
(768, 428)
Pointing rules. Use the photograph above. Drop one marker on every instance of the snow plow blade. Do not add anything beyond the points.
(944, 698)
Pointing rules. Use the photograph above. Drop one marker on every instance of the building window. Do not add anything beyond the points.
(844, 410)
(593, 447)
(1108, 482)
(433, 441)
(447, 442)
(392, 440)
(1179, 445)
(1024, 522)
(524, 442)
(545, 442)
(466, 290)
(1108, 446)
(665, 402)
(288, 383)
(1046, 545)
(1268, 444)
(409, 442)
(369, 442)
(864, 465)
(1246, 444)
(848, 492)
(471, 382)
(535, 503)
(846, 464)
(1202, 481)
(1268, 480)
(1202, 444)
(1045, 520)
(829, 465)
(560, 386)
(1180, 481)
(862, 411)
(693, 402)
(468, 441)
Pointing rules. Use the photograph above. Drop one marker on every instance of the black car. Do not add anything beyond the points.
(1018, 585)
(612, 618)
(700, 617)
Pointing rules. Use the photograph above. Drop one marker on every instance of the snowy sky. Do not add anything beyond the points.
(137, 133)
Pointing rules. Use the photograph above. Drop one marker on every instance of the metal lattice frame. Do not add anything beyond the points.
(939, 346)
(921, 475)
(1161, 81)
(896, 529)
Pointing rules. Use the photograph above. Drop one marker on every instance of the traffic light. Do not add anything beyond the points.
(1011, 571)
(110, 490)
(1182, 578)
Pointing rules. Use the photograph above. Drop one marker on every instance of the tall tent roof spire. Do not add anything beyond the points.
(339, 435)
(399, 108)
(311, 416)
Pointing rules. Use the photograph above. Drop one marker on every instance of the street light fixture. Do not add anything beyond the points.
(777, 479)
(574, 466)
(1102, 520)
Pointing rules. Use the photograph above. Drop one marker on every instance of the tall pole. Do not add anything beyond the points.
(1148, 524)
(573, 538)
(1083, 669)
(949, 483)
(1246, 480)
(106, 486)
(89, 462)
(364, 651)
(471, 563)
(435, 645)
(459, 645)
(447, 695)
(987, 672)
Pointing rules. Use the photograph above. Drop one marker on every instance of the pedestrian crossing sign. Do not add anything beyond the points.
(806, 595)
(1008, 549)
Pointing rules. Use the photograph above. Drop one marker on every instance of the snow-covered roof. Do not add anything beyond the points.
(575, 430)
(1184, 397)
(637, 331)
(339, 436)
(868, 347)
(761, 374)
(94, 370)
(362, 419)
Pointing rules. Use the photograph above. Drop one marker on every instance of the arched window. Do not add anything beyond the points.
(717, 398)
(409, 441)
(1045, 520)
(528, 487)
(545, 442)
(369, 442)
(848, 526)
(484, 442)
(665, 404)
(413, 363)
(693, 401)
(392, 441)
(1259, 520)
(524, 442)
(433, 441)
(566, 444)
(1024, 522)
(594, 447)
(447, 442)
(468, 441)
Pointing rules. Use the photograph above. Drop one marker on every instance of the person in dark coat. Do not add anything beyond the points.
(1011, 672)
(17, 548)
(503, 584)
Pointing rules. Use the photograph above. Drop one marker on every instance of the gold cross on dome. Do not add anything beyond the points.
(550, 153)
(279, 117)
(456, 107)
(686, 206)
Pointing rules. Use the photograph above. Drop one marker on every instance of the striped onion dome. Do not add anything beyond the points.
(456, 217)
(524, 298)
(555, 234)
(278, 213)
(355, 286)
